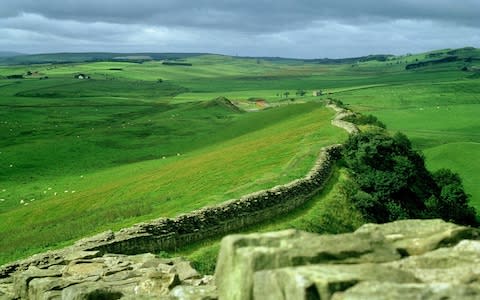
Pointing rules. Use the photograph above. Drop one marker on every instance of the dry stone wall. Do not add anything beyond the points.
(408, 259)
(338, 119)
(171, 233)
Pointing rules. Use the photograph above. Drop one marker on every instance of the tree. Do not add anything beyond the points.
(300, 93)
(392, 182)
(452, 203)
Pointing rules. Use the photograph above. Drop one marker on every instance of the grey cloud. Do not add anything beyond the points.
(66, 28)
(302, 28)
(247, 15)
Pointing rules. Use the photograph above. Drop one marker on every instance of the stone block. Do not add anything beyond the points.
(320, 281)
(242, 255)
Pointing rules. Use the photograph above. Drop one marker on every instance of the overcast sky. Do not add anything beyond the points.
(288, 28)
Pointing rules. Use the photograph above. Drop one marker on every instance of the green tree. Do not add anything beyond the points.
(300, 93)
(392, 182)
(452, 203)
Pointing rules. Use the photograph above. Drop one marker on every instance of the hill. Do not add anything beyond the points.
(12, 58)
(137, 141)
(57, 58)
(9, 54)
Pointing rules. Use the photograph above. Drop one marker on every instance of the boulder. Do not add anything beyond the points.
(86, 291)
(456, 265)
(6, 289)
(111, 276)
(21, 281)
(185, 270)
(320, 281)
(413, 237)
(206, 292)
(395, 291)
(242, 255)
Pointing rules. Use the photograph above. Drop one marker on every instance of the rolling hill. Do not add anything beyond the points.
(140, 139)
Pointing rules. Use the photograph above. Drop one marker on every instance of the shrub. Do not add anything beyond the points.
(360, 119)
(391, 182)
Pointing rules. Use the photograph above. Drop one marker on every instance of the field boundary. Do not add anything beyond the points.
(166, 234)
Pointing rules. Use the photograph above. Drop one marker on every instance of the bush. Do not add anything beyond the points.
(360, 119)
(391, 182)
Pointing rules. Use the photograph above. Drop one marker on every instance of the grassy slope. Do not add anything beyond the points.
(452, 156)
(115, 197)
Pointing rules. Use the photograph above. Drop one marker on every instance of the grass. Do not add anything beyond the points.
(143, 140)
(452, 156)
(271, 147)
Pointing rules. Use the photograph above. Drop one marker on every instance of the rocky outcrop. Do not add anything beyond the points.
(430, 258)
(409, 259)
(142, 276)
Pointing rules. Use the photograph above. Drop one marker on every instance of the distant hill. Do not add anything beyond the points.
(464, 57)
(9, 54)
(467, 54)
(59, 58)
(18, 59)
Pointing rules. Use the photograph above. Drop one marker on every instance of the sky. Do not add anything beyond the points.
(285, 28)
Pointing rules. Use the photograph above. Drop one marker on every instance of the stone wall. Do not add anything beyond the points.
(338, 119)
(232, 215)
(408, 259)
(165, 234)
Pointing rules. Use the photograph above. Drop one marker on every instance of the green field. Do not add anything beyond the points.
(75, 169)
(142, 140)
(440, 117)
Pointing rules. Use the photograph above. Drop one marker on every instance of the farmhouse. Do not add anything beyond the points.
(317, 93)
(81, 76)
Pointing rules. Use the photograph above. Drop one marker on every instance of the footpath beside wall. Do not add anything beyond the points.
(165, 234)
